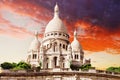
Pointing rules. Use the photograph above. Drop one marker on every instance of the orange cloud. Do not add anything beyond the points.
(97, 38)
(91, 36)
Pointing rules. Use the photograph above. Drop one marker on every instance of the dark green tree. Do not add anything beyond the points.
(14, 65)
(75, 67)
(6, 65)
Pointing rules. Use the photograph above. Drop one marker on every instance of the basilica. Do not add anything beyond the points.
(54, 51)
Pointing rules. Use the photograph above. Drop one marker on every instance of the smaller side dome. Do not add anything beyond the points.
(75, 43)
(35, 44)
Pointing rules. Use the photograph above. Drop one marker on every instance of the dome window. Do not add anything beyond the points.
(55, 33)
(59, 34)
(47, 34)
(51, 33)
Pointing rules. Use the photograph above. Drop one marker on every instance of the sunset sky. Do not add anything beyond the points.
(97, 23)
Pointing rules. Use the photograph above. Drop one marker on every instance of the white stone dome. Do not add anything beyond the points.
(35, 44)
(75, 43)
(56, 23)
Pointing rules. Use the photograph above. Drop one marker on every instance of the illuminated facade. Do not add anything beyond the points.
(55, 51)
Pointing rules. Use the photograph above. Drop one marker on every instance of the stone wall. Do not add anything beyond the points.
(57, 76)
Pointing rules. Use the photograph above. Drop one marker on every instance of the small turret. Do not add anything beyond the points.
(56, 10)
(35, 45)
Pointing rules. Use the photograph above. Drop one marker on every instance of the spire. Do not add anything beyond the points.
(75, 34)
(36, 35)
(56, 10)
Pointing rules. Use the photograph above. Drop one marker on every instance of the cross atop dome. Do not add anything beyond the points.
(75, 34)
(56, 10)
(36, 34)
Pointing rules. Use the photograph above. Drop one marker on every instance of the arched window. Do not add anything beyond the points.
(63, 65)
(77, 56)
(55, 44)
(47, 65)
(63, 46)
(60, 44)
(47, 62)
(34, 56)
(55, 61)
(66, 47)
(47, 45)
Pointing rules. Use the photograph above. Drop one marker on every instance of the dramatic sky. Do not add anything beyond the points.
(97, 23)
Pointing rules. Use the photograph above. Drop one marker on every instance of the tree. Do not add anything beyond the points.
(75, 67)
(113, 69)
(85, 67)
(23, 65)
(14, 64)
(6, 65)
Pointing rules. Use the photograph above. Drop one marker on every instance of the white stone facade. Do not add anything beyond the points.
(55, 51)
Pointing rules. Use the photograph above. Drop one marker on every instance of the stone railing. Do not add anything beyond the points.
(69, 75)
(100, 72)
(80, 71)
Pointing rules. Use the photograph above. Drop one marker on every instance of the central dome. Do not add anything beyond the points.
(56, 23)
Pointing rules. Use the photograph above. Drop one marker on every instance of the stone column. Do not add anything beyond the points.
(58, 61)
(50, 62)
